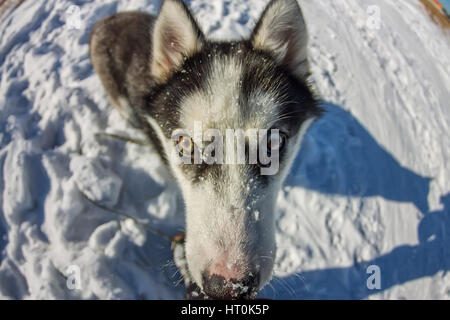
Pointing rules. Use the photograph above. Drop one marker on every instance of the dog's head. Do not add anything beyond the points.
(230, 117)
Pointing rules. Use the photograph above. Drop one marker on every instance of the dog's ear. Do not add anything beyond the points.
(282, 32)
(176, 35)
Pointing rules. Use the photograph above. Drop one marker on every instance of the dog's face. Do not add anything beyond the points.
(207, 92)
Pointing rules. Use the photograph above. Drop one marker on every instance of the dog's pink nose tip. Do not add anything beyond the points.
(227, 271)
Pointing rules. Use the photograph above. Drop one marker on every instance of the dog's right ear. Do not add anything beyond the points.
(282, 31)
(176, 35)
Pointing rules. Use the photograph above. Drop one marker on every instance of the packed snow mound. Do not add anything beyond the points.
(370, 186)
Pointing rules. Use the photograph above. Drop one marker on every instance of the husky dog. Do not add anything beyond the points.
(162, 74)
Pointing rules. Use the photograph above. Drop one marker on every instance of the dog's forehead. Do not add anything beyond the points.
(225, 102)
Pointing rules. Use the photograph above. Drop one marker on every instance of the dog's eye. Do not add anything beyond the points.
(275, 144)
(186, 144)
(278, 142)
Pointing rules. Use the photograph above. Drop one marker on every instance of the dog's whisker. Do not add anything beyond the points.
(178, 282)
(125, 216)
(285, 118)
(123, 138)
(177, 272)
(168, 264)
(302, 278)
(286, 286)
(267, 257)
(273, 288)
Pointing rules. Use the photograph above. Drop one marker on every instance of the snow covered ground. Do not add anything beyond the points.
(369, 187)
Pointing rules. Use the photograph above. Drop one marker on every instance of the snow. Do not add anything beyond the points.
(369, 187)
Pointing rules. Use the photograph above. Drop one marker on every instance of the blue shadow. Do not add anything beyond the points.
(339, 156)
(344, 159)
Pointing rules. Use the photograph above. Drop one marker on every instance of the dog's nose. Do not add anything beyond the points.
(217, 287)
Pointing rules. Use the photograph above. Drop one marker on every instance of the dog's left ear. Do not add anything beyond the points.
(176, 35)
(282, 32)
